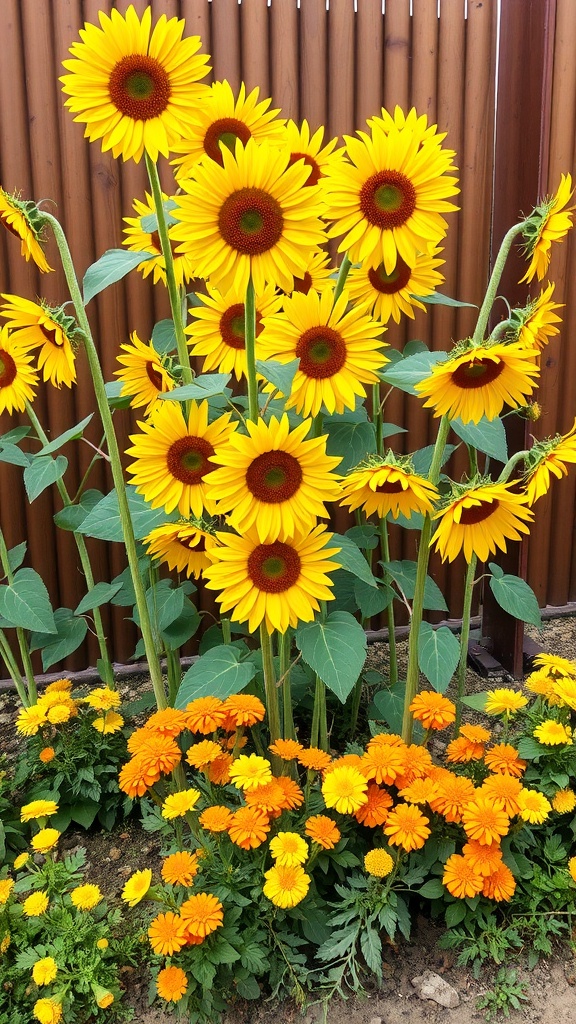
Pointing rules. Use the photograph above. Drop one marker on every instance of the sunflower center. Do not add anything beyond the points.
(390, 284)
(315, 172)
(477, 373)
(251, 221)
(274, 568)
(139, 87)
(388, 199)
(390, 487)
(155, 241)
(274, 477)
(51, 334)
(154, 377)
(187, 459)
(478, 513)
(303, 284)
(224, 132)
(193, 544)
(8, 369)
(322, 352)
(233, 326)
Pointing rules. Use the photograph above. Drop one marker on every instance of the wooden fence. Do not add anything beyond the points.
(336, 66)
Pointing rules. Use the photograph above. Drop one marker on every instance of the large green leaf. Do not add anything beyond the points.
(351, 558)
(487, 436)
(149, 223)
(370, 601)
(112, 266)
(411, 370)
(218, 673)
(71, 631)
(388, 706)
(350, 436)
(438, 299)
(335, 650)
(14, 455)
(438, 655)
(16, 556)
(42, 472)
(164, 337)
(104, 523)
(69, 435)
(281, 375)
(514, 595)
(181, 629)
(165, 603)
(71, 517)
(100, 594)
(26, 603)
(206, 386)
(404, 573)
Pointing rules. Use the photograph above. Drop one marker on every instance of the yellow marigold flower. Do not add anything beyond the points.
(564, 801)
(485, 860)
(5, 943)
(454, 793)
(108, 723)
(323, 831)
(288, 849)
(36, 904)
(407, 827)
(205, 715)
(20, 218)
(137, 886)
(31, 719)
(534, 807)
(378, 863)
(202, 914)
(86, 897)
(484, 821)
(217, 818)
(375, 811)
(388, 487)
(102, 943)
(500, 885)
(460, 877)
(433, 710)
(345, 789)
(504, 790)
(103, 996)
(479, 520)
(38, 809)
(250, 771)
(167, 934)
(59, 714)
(45, 840)
(555, 665)
(171, 984)
(572, 867)
(249, 827)
(47, 1011)
(503, 758)
(504, 701)
(549, 223)
(6, 886)
(103, 699)
(44, 971)
(552, 733)
(314, 759)
(288, 750)
(21, 860)
(543, 684)
(286, 886)
(63, 685)
(564, 693)
(46, 755)
(177, 805)
(180, 868)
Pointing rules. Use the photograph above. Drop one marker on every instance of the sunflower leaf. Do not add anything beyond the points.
(351, 437)
(281, 375)
(26, 603)
(351, 558)
(438, 299)
(488, 436)
(103, 521)
(42, 472)
(438, 655)
(97, 596)
(404, 573)
(149, 223)
(164, 337)
(71, 631)
(335, 650)
(206, 386)
(515, 597)
(411, 370)
(68, 435)
(14, 455)
(112, 266)
(218, 673)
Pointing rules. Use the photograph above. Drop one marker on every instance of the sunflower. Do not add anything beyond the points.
(407, 827)
(274, 481)
(143, 375)
(504, 701)
(417, 123)
(218, 330)
(392, 294)
(378, 863)
(172, 457)
(17, 376)
(142, 236)
(479, 519)
(537, 322)
(20, 219)
(167, 934)
(388, 486)
(249, 218)
(288, 849)
(220, 120)
(433, 710)
(549, 223)
(319, 275)
(478, 382)
(322, 830)
(388, 199)
(134, 89)
(546, 458)
(460, 877)
(345, 789)
(42, 326)
(277, 584)
(171, 984)
(307, 147)
(338, 349)
(183, 546)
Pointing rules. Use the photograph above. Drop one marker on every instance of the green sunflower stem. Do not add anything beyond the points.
(20, 634)
(173, 291)
(115, 462)
(319, 734)
(15, 674)
(385, 552)
(250, 337)
(342, 275)
(271, 691)
(107, 669)
(421, 571)
(512, 462)
(355, 707)
(284, 644)
(494, 282)
(226, 630)
(174, 673)
(464, 636)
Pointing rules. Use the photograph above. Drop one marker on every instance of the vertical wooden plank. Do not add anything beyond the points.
(285, 82)
(313, 63)
(369, 62)
(397, 30)
(254, 17)
(341, 31)
(225, 42)
(197, 16)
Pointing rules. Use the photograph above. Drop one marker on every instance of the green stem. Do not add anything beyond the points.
(173, 292)
(377, 418)
(421, 571)
(319, 736)
(512, 462)
(355, 707)
(342, 275)
(115, 462)
(95, 458)
(226, 630)
(385, 552)
(464, 635)
(494, 282)
(272, 705)
(250, 338)
(15, 674)
(174, 673)
(284, 645)
(20, 634)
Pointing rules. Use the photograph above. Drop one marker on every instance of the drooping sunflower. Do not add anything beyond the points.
(183, 546)
(388, 487)
(142, 236)
(339, 350)
(546, 458)
(549, 222)
(250, 217)
(49, 329)
(172, 457)
(19, 218)
(144, 377)
(277, 584)
(418, 123)
(218, 330)
(221, 119)
(17, 375)
(319, 274)
(537, 321)
(479, 519)
(388, 200)
(274, 481)
(133, 88)
(392, 294)
(480, 381)
(308, 147)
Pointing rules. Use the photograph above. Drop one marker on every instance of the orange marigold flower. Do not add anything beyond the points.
(406, 826)
(216, 819)
(314, 759)
(353, 759)
(136, 777)
(46, 755)
(322, 830)
(167, 722)
(293, 795)
(503, 758)
(454, 793)
(433, 710)
(203, 753)
(475, 733)
(136, 739)
(421, 791)
(205, 715)
(500, 885)
(417, 764)
(460, 877)
(249, 827)
(202, 914)
(461, 750)
(180, 868)
(383, 761)
(270, 798)
(504, 791)
(288, 750)
(218, 771)
(375, 810)
(483, 821)
(244, 709)
(167, 934)
(171, 984)
(484, 859)
(160, 753)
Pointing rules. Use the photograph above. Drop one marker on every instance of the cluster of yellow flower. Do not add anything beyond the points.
(56, 706)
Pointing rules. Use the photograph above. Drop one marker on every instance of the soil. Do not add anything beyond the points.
(551, 985)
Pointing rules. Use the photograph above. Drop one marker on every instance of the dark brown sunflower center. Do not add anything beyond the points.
(477, 373)
(390, 487)
(274, 568)
(224, 132)
(274, 477)
(388, 199)
(303, 284)
(193, 543)
(315, 172)
(321, 351)
(187, 459)
(154, 376)
(51, 334)
(155, 241)
(8, 370)
(478, 513)
(233, 326)
(139, 87)
(389, 284)
(251, 221)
